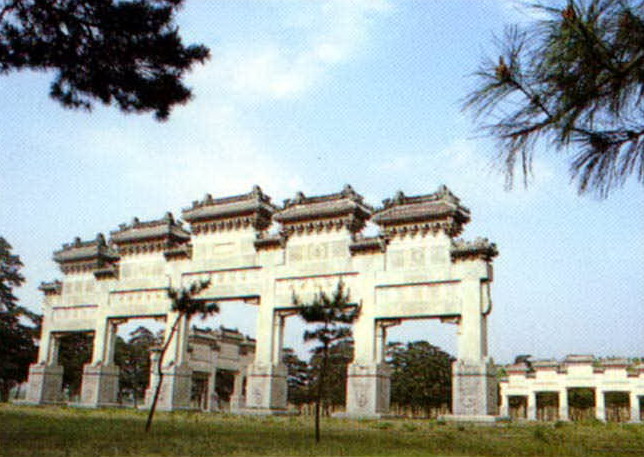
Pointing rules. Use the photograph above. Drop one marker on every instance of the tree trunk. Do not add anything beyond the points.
(4, 391)
(157, 391)
(318, 400)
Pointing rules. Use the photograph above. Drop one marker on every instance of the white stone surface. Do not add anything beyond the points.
(420, 271)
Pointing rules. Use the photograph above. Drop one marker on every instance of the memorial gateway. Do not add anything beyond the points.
(260, 253)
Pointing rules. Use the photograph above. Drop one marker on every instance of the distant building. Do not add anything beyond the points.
(608, 390)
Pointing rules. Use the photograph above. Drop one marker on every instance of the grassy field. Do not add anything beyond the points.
(52, 431)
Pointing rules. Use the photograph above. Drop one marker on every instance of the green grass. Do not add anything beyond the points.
(53, 431)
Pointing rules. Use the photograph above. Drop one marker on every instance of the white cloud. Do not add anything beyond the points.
(469, 170)
(213, 153)
(321, 36)
(520, 11)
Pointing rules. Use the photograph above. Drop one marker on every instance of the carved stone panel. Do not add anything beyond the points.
(418, 299)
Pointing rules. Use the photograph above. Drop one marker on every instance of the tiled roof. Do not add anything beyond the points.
(403, 209)
(481, 248)
(345, 203)
(85, 251)
(368, 244)
(575, 358)
(137, 231)
(208, 209)
(270, 241)
(51, 288)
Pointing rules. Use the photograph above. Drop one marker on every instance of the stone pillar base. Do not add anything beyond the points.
(176, 389)
(237, 403)
(100, 386)
(266, 387)
(45, 384)
(474, 389)
(368, 390)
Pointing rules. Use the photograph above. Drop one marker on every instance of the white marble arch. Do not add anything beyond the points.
(255, 251)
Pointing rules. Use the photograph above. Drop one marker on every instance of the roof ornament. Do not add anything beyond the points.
(257, 191)
(444, 193)
(135, 222)
(100, 239)
(347, 191)
(206, 199)
(299, 197)
(77, 241)
(168, 218)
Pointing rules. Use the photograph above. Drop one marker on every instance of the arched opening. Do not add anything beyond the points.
(220, 349)
(74, 351)
(547, 406)
(581, 403)
(135, 340)
(518, 407)
(618, 407)
(419, 353)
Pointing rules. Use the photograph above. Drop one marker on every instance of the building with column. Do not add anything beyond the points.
(218, 360)
(256, 252)
(530, 389)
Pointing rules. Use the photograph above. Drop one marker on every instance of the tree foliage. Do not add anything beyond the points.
(421, 375)
(335, 377)
(125, 52)
(186, 305)
(74, 352)
(133, 358)
(331, 316)
(573, 78)
(297, 377)
(17, 347)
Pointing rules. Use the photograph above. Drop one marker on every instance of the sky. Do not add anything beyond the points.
(312, 95)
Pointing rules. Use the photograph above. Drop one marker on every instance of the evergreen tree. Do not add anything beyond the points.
(331, 315)
(572, 78)
(123, 52)
(17, 347)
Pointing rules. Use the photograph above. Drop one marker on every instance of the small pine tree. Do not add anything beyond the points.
(186, 306)
(332, 316)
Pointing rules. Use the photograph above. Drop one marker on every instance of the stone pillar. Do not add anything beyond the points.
(237, 396)
(532, 406)
(213, 399)
(505, 406)
(474, 383)
(101, 377)
(600, 405)
(267, 388)
(46, 377)
(176, 387)
(368, 377)
(635, 408)
(563, 405)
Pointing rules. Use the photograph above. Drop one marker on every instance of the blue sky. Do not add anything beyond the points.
(310, 96)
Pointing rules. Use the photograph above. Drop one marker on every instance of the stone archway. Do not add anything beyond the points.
(416, 266)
